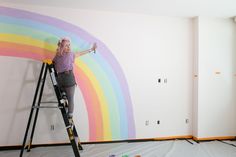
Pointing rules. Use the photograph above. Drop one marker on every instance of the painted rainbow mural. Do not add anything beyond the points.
(99, 76)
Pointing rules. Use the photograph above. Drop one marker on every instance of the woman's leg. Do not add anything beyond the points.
(70, 96)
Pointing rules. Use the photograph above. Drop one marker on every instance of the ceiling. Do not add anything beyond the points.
(180, 8)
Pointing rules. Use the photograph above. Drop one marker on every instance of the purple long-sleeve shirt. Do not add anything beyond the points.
(64, 62)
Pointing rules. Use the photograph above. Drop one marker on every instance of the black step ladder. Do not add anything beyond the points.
(62, 103)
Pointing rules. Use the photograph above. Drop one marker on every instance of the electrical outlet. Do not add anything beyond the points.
(165, 80)
(186, 121)
(147, 122)
(52, 127)
(158, 122)
(159, 80)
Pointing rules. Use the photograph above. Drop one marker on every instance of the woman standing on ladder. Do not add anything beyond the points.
(63, 61)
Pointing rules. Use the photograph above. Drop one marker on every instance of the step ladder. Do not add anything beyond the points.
(47, 66)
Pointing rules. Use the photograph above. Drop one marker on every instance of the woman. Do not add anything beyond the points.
(63, 61)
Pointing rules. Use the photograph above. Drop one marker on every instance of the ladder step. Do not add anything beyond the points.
(47, 107)
(49, 102)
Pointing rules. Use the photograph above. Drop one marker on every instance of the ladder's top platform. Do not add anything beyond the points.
(48, 61)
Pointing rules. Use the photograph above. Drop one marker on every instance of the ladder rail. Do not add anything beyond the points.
(70, 127)
(32, 110)
(37, 109)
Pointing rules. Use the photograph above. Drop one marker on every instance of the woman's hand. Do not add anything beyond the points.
(93, 47)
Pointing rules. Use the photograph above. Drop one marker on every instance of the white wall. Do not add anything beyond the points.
(195, 76)
(216, 84)
(147, 48)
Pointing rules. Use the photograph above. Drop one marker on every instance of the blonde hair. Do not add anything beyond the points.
(60, 45)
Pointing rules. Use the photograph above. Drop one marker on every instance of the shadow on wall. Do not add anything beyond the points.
(23, 92)
(26, 87)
